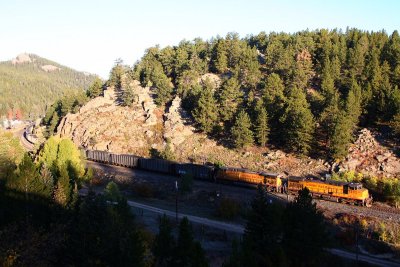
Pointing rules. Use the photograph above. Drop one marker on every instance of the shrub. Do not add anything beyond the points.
(228, 208)
(144, 190)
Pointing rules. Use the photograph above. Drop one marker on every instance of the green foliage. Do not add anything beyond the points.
(28, 87)
(69, 154)
(391, 191)
(345, 123)
(106, 234)
(11, 153)
(336, 77)
(95, 89)
(274, 236)
(188, 252)
(167, 153)
(163, 86)
(263, 229)
(341, 136)
(205, 113)
(395, 124)
(220, 56)
(241, 130)
(298, 122)
(229, 99)
(184, 251)
(128, 96)
(116, 73)
(304, 231)
(48, 154)
(228, 208)
(261, 125)
(69, 102)
(164, 243)
(112, 193)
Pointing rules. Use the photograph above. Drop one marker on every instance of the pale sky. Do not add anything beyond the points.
(90, 35)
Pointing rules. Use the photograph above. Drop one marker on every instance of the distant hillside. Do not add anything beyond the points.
(32, 83)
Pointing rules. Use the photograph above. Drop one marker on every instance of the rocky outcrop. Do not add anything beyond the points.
(368, 156)
(213, 78)
(21, 58)
(175, 128)
(105, 125)
(49, 68)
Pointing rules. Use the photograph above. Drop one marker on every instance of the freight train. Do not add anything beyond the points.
(352, 193)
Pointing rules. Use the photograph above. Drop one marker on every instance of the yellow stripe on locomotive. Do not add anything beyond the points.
(270, 180)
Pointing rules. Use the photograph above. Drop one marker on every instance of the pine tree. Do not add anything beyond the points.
(112, 193)
(353, 103)
(261, 125)
(263, 230)
(163, 86)
(164, 243)
(95, 89)
(229, 98)
(220, 57)
(205, 113)
(116, 74)
(53, 124)
(345, 123)
(341, 136)
(128, 96)
(328, 88)
(298, 122)
(241, 131)
(249, 68)
(64, 188)
(275, 99)
(304, 232)
(188, 252)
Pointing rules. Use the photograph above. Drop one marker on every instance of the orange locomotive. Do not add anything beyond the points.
(271, 181)
(352, 193)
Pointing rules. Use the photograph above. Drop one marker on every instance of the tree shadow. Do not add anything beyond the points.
(386, 137)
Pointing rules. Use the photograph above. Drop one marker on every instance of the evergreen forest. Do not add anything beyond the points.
(29, 88)
(304, 92)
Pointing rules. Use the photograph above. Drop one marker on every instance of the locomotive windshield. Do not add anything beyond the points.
(355, 186)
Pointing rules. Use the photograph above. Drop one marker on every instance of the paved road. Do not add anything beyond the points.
(235, 228)
(364, 258)
(194, 219)
(230, 190)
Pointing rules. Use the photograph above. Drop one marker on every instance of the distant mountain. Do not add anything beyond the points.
(31, 83)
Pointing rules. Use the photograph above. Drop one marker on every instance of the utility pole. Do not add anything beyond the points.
(176, 200)
(357, 237)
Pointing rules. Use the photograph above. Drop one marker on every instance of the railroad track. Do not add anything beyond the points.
(386, 209)
(378, 211)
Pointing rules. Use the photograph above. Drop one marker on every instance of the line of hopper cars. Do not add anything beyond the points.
(332, 190)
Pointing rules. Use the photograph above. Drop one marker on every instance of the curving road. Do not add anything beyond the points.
(235, 228)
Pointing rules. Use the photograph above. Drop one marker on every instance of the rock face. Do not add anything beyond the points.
(175, 129)
(49, 68)
(367, 156)
(213, 78)
(21, 58)
(105, 125)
